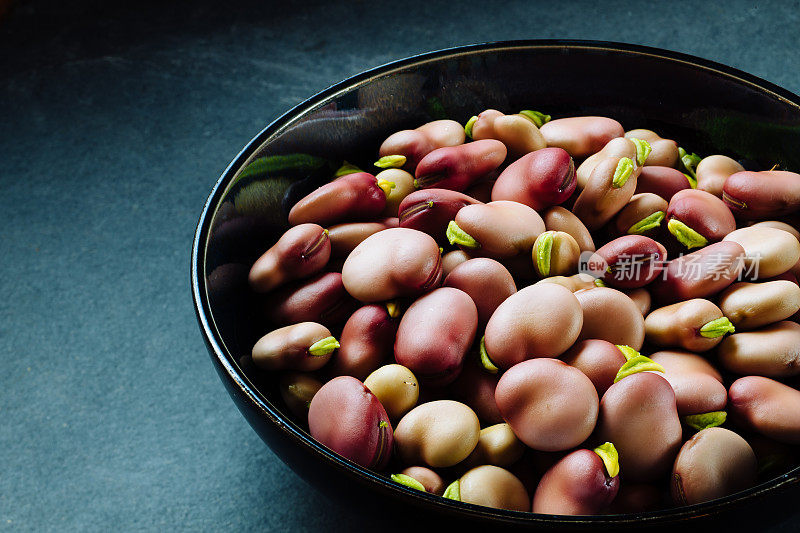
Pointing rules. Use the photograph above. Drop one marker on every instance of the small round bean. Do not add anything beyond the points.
(396, 388)
(440, 433)
(297, 390)
(430, 480)
(555, 253)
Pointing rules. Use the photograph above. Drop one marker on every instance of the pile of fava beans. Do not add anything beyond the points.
(552, 316)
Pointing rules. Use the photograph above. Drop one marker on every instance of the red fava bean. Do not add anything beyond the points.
(486, 281)
(367, 340)
(578, 484)
(300, 252)
(458, 167)
(416, 144)
(633, 260)
(663, 181)
(581, 136)
(598, 359)
(322, 299)
(431, 210)
(697, 218)
(352, 197)
(540, 179)
(762, 194)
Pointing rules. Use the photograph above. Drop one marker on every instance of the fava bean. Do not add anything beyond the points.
(633, 261)
(541, 320)
(540, 179)
(297, 389)
(435, 334)
(766, 406)
(638, 414)
(578, 484)
(610, 315)
(458, 167)
(664, 151)
(697, 385)
(581, 136)
(305, 346)
(396, 388)
(559, 219)
(712, 172)
(403, 186)
(367, 340)
(697, 325)
(475, 387)
(555, 253)
(768, 251)
(347, 418)
(641, 298)
(777, 224)
(550, 405)
(610, 187)
(696, 218)
(497, 445)
(416, 144)
(352, 197)
(501, 229)
(642, 215)
(440, 433)
(431, 210)
(714, 463)
(762, 194)
(619, 148)
(430, 480)
(486, 281)
(392, 263)
(302, 251)
(451, 260)
(752, 305)
(490, 486)
(482, 189)
(322, 299)
(574, 283)
(665, 182)
(598, 359)
(699, 274)
(772, 351)
(518, 133)
(345, 237)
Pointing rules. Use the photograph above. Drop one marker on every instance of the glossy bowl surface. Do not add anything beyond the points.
(708, 107)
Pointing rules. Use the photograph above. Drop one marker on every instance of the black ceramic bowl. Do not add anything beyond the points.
(709, 108)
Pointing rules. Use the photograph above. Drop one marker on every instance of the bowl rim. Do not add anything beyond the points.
(245, 387)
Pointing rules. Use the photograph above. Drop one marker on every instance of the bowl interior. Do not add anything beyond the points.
(706, 107)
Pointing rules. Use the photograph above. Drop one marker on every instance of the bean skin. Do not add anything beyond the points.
(559, 219)
(367, 340)
(540, 179)
(581, 136)
(322, 299)
(772, 351)
(486, 281)
(350, 198)
(550, 405)
(430, 210)
(519, 134)
(435, 334)
(439, 434)
(610, 315)
(663, 181)
(598, 359)
(633, 260)
(680, 325)
(458, 167)
(600, 200)
(774, 251)
(638, 414)
(702, 212)
(392, 263)
(302, 251)
(697, 385)
(664, 151)
(699, 274)
(754, 195)
(766, 406)
(502, 229)
(578, 484)
(752, 305)
(642, 215)
(714, 463)
(347, 418)
(492, 486)
(712, 172)
(416, 144)
(345, 237)
(541, 320)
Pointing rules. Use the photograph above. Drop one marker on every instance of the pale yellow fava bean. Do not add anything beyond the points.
(396, 388)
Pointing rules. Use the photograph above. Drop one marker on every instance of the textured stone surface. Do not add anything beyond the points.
(114, 123)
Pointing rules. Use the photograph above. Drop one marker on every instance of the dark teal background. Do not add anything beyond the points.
(114, 123)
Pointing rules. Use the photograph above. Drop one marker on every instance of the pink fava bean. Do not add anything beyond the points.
(486, 281)
(345, 237)
(430, 480)
(766, 406)
(712, 171)
(540, 179)
(581, 136)
(347, 418)
(662, 181)
(500, 230)
(754, 195)
(392, 263)
(619, 147)
(642, 215)
(578, 484)
(367, 340)
(302, 251)
(633, 261)
(610, 315)
(559, 219)
(696, 218)
(549, 405)
(435, 333)
(306, 346)
(610, 187)
(431, 210)
(416, 144)
(458, 167)
(664, 152)
(541, 320)
(518, 133)
(598, 359)
(352, 197)
(322, 299)
(697, 385)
